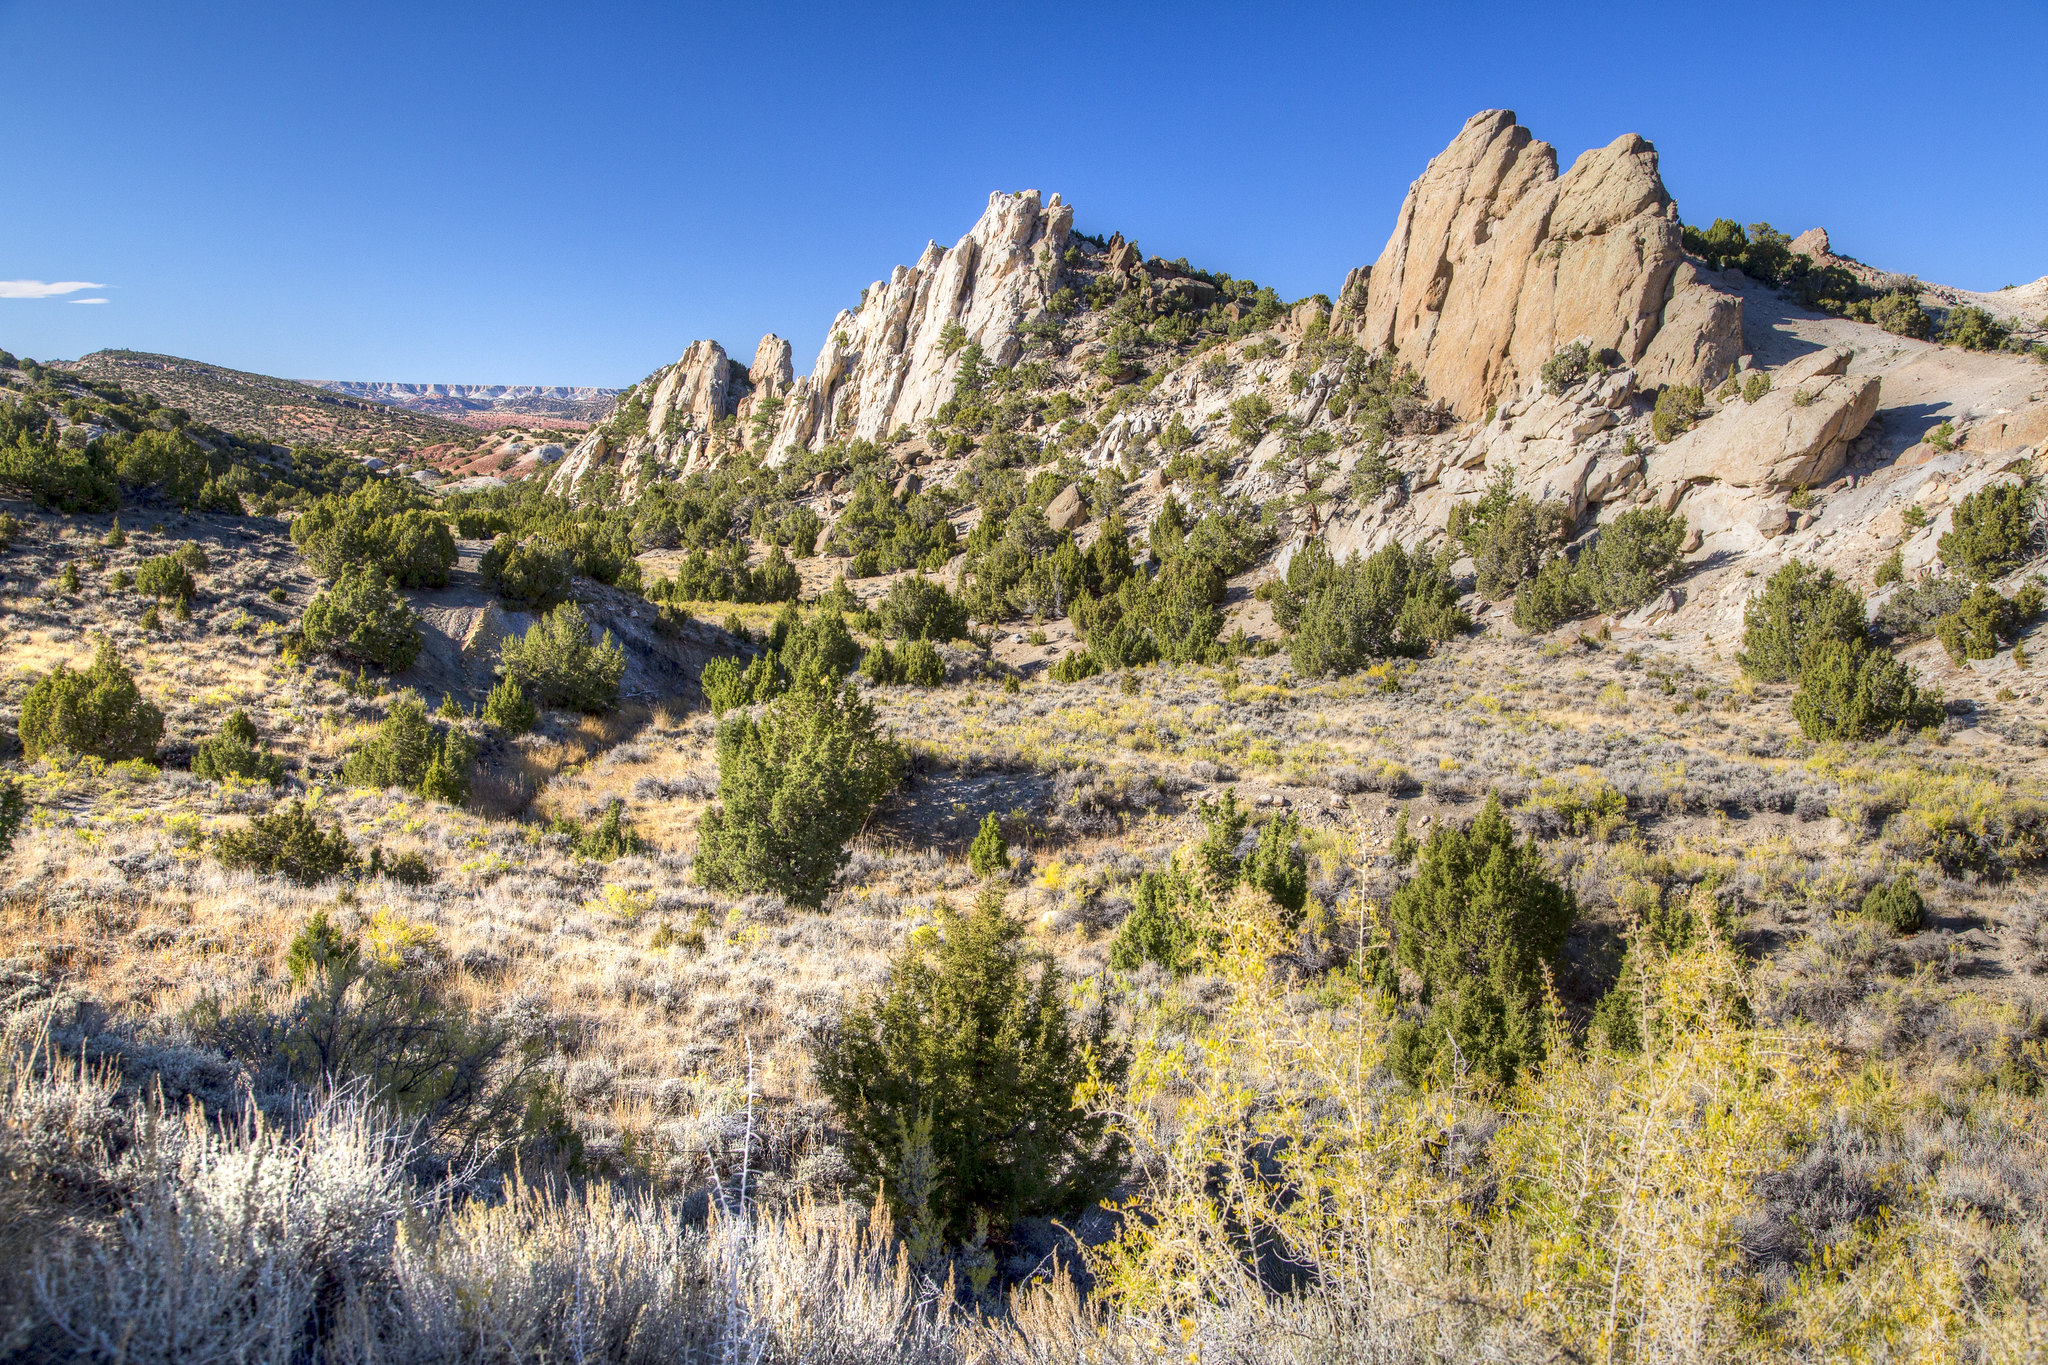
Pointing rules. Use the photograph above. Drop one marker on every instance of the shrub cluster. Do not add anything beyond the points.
(1624, 566)
(1477, 924)
(361, 616)
(1678, 407)
(793, 788)
(1987, 621)
(99, 712)
(1341, 617)
(386, 523)
(287, 843)
(1993, 531)
(1508, 535)
(410, 751)
(533, 572)
(1808, 625)
(233, 752)
(556, 664)
(883, 534)
(958, 1085)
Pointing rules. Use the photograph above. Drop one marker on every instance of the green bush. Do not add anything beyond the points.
(916, 607)
(990, 851)
(1508, 536)
(57, 478)
(724, 685)
(1973, 329)
(880, 667)
(165, 578)
(1896, 905)
(1800, 608)
(1162, 926)
(98, 712)
(1987, 621)
(232, 752)
(556, 664)
(611, 837)
(1891, 570)
(1755, 385)
(957, 1084)
(1631, 558)
(533, 572)
(1993, 530)
(1555, 595)
(1900, 313)
(1567, 366)
(777, 579)
(360, 616)
(1477, 924)
(288, 843)
(13, 813)
(1850, 691)
(10, 530)
(1278, 866)
(508, 709)
(793, 787)
(409, 751)
(920, 664)
(1075, 665)
(1345, 616)
(384, 522)
(1914, 609)
(1678, 407)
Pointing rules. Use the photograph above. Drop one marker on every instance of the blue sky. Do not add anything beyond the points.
(570, 194)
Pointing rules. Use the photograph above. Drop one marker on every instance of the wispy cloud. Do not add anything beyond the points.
(85, 300)
(37, 289)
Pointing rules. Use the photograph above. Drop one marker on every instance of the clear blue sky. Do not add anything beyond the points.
(569, 194)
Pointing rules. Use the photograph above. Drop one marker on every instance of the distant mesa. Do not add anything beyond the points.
(467, 402)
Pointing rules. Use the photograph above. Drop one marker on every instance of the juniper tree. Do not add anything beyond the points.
(965, 1069)
(793, 788)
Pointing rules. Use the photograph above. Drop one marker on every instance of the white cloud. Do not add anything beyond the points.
(85, 300)
(37, 289)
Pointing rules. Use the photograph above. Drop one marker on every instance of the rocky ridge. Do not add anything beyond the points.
(1495, 264)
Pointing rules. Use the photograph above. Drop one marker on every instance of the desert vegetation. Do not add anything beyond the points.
(1082, 879)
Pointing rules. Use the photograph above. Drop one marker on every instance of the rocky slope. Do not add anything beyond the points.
(1496, 262)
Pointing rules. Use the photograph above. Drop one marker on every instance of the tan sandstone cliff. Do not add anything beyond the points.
(1496, 261)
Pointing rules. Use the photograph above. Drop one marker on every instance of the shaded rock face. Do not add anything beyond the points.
(1496, 261)
(892, 362)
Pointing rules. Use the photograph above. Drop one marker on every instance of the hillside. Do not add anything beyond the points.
(282, 410)
(1496, 813)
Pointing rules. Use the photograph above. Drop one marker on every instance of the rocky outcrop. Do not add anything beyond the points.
(1700, 338)
(1496, 261)
(695, 391)
(1795, 436)
(891, 363)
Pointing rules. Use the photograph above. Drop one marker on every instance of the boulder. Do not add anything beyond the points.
(908, 486)
(1700, 336)
(1066, 511)
(1795, 436)
(1496, 261)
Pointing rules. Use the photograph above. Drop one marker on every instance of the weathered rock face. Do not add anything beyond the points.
(1700, 338)
(891, 363)
(1496, 261)
(696, 390)
(1795, 436)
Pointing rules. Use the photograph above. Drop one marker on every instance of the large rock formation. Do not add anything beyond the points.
(1795, 436)
(1496, 261)
(891, 363)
